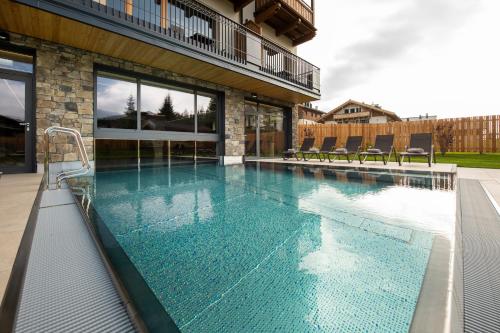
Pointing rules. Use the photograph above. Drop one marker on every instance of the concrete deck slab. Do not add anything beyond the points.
(489, 179)
(17, 195)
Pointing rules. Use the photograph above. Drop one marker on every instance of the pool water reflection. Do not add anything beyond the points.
(277, 248)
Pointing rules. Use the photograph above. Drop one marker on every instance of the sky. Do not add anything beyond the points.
(440, 57)
(12, 97)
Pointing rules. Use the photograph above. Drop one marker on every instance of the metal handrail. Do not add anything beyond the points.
(81, 149)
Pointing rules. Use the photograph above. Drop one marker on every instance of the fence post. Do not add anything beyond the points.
(494, 134)
(480, 134)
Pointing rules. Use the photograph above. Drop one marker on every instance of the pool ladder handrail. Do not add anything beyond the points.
(81, 149)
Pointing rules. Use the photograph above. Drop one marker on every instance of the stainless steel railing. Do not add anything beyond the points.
(81, 150)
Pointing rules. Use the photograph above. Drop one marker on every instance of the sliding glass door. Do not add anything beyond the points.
(251, 127)
(272, 135)
(264, 130)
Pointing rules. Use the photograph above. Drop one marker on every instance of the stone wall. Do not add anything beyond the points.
(65, 89)
(64, 97)
(235, 124)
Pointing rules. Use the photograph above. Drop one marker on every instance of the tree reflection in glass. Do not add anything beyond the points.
(116, 103)
(207, 114)
(164, 109)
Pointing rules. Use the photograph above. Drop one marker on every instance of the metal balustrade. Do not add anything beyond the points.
(81, 150)
(193, 24)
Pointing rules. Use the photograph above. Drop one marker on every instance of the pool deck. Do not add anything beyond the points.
(17, 195)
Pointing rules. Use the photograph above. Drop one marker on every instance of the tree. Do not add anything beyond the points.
(167, 109)
(130, 108)
(444, 135)
(207, 117)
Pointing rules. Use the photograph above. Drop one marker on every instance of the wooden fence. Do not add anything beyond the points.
(472, 134)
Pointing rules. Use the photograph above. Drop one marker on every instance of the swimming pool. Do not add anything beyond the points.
(265, 247)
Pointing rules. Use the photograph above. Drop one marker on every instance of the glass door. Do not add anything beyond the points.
(264, 130)
(16, 130)
(272, 136)
(251, 129)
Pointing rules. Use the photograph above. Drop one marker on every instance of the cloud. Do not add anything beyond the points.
(12, 97)
(415, 23)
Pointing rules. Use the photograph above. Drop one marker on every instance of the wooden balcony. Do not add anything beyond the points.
(292, 18)
(182, 36)
(351, 115)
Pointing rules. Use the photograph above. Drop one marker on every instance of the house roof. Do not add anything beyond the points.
(312, 110)
(364, 105)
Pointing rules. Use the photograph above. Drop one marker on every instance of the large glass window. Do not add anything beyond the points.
(112, 154)
(116, 103)
(207, 113)
(16, 61)
(206, 151)
(175, 124)
(182, 151)
(153, 153)
(162, 107)
(165, 109)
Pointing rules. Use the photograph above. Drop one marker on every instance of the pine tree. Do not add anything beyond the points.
(211, 112)
(130, 109)
(167, 109)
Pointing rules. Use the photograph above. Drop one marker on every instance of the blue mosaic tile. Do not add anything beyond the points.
(237, 249)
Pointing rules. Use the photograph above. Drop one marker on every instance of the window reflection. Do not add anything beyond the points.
(181, 151)
(153, 153)
(112, 154)
(116, 103)
(12, 112)
(164, 109)
(206, 151)
(272, 136)
(207, 114)
(16, 61)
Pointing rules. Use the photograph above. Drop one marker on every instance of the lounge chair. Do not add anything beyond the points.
(420, 146)
(384, 146)
(306, 146)
(325, 149)
(352, 147)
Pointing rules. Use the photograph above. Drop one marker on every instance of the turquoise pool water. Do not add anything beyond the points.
(277, 248)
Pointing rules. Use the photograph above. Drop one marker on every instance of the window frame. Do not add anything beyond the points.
(139, 133)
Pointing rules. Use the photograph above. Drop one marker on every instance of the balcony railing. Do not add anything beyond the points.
(201, 28)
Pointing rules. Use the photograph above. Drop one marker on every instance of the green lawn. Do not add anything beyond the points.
(471, 160)
(466, 160)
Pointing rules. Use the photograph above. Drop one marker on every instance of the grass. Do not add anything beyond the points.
(464, 160)
(471, 160)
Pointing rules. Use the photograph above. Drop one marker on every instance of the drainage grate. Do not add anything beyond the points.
(481, 253)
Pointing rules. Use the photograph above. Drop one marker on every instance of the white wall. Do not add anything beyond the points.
(378, 120)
